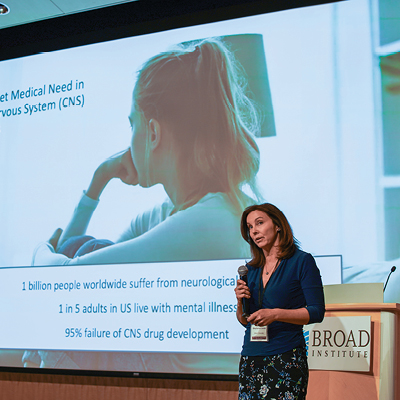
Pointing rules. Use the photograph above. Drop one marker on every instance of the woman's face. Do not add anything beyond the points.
(262, 230)
(138, 147)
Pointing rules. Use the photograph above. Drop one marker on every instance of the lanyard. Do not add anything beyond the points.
(260, 285)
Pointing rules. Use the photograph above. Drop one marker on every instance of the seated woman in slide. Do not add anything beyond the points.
(192, 131)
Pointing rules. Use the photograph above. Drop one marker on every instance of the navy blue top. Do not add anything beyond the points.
(296, 283)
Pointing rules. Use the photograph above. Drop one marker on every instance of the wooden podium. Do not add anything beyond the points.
(382, 381)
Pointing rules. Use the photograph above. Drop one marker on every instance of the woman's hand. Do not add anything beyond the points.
(266, 316)
(55, 237)
(120, 166)
(241, 290)
(263, 317)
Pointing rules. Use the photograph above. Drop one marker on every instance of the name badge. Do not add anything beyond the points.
(258, 333)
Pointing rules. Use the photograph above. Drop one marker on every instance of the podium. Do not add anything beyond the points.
(382, 380)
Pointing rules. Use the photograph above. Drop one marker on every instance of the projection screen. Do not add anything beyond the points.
(156, 295)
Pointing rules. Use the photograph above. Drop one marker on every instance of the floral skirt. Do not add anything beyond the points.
(277, 377)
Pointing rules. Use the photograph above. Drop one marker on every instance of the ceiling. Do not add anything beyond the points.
(25, 11)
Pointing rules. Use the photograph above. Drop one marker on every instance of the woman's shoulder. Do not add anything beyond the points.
(301, 261)
(211, 199)
(253, 270)
(151, 218)
(225, 199)
(252, 267)
(300, 256)
(211, 207)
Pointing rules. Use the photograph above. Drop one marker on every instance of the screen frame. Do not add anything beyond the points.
(129, 19)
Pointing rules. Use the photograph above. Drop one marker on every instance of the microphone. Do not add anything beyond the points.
(390, 273)
(242, 271)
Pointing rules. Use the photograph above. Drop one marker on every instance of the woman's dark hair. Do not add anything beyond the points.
(287, 242)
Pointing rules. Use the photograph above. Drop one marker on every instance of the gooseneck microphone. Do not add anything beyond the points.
(242, 271)
(390, 273)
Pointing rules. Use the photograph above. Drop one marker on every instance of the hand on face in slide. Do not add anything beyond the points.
(121, 166)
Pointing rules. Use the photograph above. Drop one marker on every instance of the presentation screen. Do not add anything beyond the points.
(125, 166)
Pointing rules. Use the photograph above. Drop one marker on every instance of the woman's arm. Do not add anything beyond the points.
(187, 235)
(266, 316)
(80, 219)
(313, 290)
(311, 286)
(118, 166)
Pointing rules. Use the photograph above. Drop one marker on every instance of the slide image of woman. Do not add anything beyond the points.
(193, 132)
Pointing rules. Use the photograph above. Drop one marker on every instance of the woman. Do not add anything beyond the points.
(192, 131)
(284, 292)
